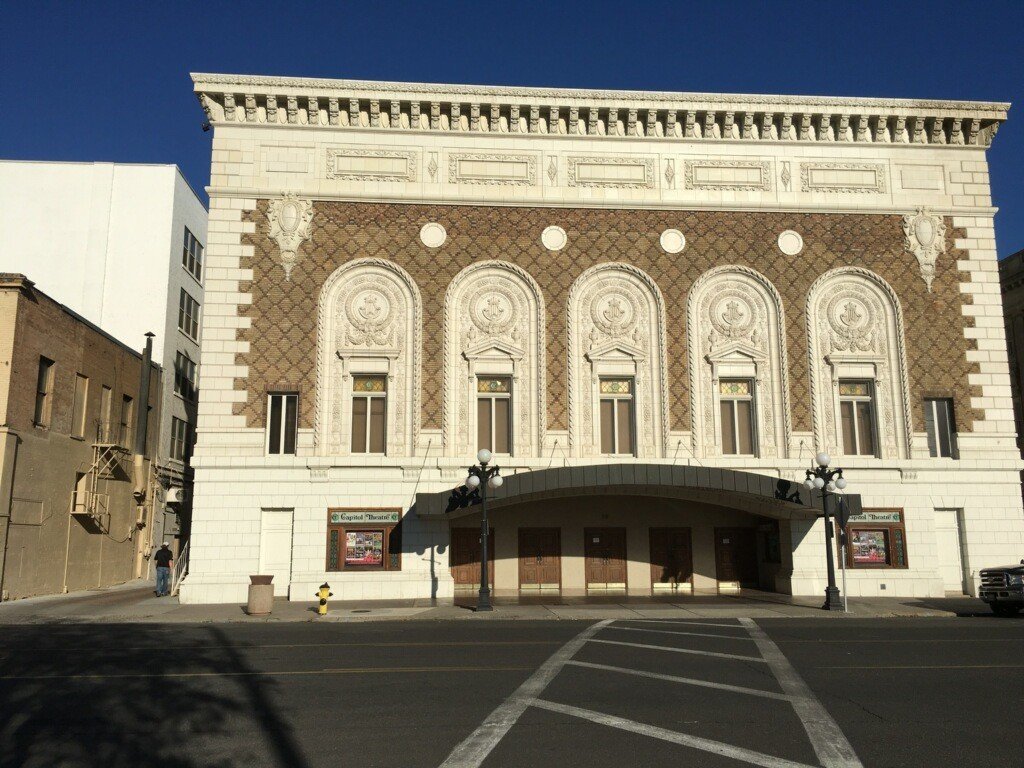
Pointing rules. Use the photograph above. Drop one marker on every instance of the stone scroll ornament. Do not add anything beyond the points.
(926, 239)
(291, 220)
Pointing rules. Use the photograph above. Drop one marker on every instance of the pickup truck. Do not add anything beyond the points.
(1003, 589)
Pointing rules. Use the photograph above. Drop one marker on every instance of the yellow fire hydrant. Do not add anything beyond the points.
(323, 593)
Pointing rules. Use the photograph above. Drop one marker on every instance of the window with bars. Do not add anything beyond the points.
(857, 415)
(180, 442)
(192, 256)
(188, 315)
(44, 392)
(494, 414)
(736, 404)
(184, 376)
(616, 403)
(941, 427)
(282, 421)
(80, 406)
(369, 412)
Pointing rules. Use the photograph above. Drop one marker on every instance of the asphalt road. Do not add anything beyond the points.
(844, 692)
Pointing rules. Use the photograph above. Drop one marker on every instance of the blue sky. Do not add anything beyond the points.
(106, 81)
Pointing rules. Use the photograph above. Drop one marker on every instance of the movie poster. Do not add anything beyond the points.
(364, 548)
(869, 547)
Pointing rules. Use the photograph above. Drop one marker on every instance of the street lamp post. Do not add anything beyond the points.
(828, 481)
(480, 478)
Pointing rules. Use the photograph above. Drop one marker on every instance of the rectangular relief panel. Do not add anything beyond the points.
(620, 172)
(359, 164)
(825, 176)
(496, 168)
(737, 175)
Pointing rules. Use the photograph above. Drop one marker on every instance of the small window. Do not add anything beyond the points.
(184, 376)
(369, 410)
(736, 398)
(616, 416)
(181, 444)
(857, 414)
(127, 416)
(108, 431)
(941, 427)
(282, 422)
(494, 414)
(876, 538)
(188, 315)
(192, 256)
(44, 392)
(81, 405)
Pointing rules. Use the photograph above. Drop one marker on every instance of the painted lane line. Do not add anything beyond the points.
(264, 673)
(829, 742)
(683, 739)
(677, 632)
(475, 748)
(683, 680)
(683, 622)
(755, 659)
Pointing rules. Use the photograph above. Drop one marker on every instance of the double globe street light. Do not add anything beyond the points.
(827, 481)
(480, 478)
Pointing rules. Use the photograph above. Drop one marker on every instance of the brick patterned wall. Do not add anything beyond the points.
(282, 335)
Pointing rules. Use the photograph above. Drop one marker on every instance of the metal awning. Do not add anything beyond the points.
(746, 491)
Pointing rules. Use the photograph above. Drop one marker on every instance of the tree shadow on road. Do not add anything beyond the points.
(136, 695)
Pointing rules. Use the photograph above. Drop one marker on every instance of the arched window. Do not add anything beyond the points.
(618, 403)
(368, 361)
(494, 379)
(739, 389)
(858, 366)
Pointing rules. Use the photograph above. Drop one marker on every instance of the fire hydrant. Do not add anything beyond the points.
(323, 593)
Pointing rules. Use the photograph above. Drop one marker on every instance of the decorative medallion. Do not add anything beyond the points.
(790, 242)
(926, 239)
(673, 241)
(553, 238)
(369, 314)
(494, 312)
(614, 313)
(290, 224)
(433, 235)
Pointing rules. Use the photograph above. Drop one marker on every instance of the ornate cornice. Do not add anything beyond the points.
(636, 114)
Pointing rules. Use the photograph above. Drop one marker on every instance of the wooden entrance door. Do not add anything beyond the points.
(605, 551)
(540, 558)
(671, 556)
(464, 556)
(736, 556)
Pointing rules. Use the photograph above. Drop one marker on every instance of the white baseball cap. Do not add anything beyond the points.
(165, 544)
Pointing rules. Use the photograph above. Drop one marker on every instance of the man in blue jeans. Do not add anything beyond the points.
(164, 561)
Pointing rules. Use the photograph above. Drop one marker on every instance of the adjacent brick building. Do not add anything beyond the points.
(76, 507)
(668, 301)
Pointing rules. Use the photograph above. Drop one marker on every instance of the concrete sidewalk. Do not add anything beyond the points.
(135, 602)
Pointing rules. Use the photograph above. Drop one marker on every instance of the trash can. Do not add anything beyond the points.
(261, 596)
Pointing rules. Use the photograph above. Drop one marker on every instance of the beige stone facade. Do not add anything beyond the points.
(61, 530)
(430, 236)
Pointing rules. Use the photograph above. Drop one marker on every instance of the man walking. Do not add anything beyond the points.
(164, 560)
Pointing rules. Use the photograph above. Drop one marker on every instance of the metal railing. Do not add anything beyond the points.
(180, 569)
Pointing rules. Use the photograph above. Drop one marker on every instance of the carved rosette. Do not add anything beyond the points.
(925, 237)
(290, 220)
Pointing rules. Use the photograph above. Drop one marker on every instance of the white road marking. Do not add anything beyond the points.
(695, 742)
(682, 622)
(677, 632)
(741, 657)
(829, 742)
(684, 680)
(475, 748)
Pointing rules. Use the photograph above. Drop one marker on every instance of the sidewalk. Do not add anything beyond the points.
(135, 602)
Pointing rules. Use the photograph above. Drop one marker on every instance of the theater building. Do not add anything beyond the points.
(654, 308)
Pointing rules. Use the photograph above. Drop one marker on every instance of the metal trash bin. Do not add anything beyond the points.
(261, 595)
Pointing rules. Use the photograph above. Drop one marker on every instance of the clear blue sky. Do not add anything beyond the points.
(105, 81)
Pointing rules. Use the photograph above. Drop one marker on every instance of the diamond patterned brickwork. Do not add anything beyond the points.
(283, 332)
